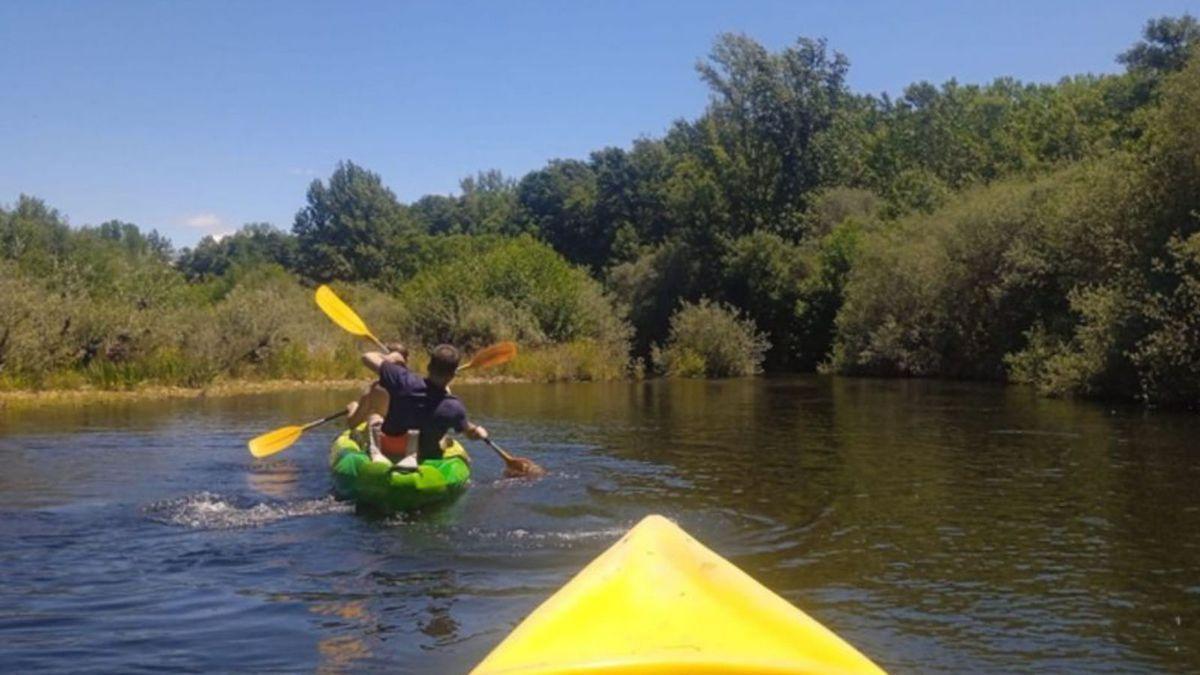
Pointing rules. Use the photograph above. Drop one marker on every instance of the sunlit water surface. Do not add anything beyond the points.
(936, 526)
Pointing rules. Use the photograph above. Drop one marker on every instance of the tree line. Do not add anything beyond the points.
(1014, 231)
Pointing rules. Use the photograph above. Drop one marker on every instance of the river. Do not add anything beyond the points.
(936, 526)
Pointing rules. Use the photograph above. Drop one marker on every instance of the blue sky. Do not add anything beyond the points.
(195, 117)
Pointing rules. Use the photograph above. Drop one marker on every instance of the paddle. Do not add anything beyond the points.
(501, 352)
(283, 437)
(341, 314)
(516, 466)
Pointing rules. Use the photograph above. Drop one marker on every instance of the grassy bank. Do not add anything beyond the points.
(26, 398)
(577, 361)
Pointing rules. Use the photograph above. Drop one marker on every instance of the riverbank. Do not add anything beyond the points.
(581, 360)
(17, 399)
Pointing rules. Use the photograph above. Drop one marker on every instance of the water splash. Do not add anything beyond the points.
(521, 534)
(208, 511)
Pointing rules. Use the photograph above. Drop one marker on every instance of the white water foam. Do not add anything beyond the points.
(520, 534)
(208, 511)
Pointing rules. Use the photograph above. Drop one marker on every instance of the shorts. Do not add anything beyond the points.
(397, 447)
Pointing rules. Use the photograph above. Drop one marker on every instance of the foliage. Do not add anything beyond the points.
(519, 290)
(348, 226)
(708, 339)
(1080, 282)
(764, 275)
(1040, 232)
(487, 205)
(1166, 45)
(768, 113)
(577, 360)
(559, 201)
(652, 286)
(254, 244)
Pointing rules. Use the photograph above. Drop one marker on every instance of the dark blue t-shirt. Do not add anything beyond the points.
(416, 403)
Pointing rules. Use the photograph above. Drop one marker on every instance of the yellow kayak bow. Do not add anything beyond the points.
(658, 601)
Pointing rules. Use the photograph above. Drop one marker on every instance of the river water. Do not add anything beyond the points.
(935, 526)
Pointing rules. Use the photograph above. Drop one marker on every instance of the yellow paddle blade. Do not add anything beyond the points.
(341, 314)
(274, 441)
(501, 352)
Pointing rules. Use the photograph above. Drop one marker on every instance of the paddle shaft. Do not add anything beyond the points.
(499, 450)
(316, 423)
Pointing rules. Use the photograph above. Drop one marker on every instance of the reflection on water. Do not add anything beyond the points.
(278, 479)
(937, 526)
(347, 644)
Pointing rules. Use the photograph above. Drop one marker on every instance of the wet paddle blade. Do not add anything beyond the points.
(501, 352)
(341, 314)
(516, 467)
(274, 441)
(522, 467)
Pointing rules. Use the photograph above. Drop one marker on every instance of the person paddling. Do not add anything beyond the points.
(401, 402)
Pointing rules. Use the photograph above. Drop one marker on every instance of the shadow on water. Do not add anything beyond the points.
(937, 526)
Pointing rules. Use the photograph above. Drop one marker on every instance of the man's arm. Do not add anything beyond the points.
(374, 360)
(475, 432)
(462, 425)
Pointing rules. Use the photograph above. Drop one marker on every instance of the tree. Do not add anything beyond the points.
(763, 275)
(438, 214)
(768, 112)
(489, 204)
(128, 237)
(253, 244)
(559, 202)
(33, 234)
(347, 227)
(1166, 44)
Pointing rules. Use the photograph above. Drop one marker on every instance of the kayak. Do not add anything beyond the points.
(658, 601)
(376, 485)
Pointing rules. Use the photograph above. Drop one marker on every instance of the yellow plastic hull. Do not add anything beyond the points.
(658, 601)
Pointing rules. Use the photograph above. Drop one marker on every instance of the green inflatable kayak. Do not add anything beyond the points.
(377, 486)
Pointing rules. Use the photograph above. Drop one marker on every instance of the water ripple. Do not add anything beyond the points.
(208, 511)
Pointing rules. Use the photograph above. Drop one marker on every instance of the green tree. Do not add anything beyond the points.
(559, 201)
(253, 244)
(519, 289)
(769, 111)
(654, 285)
(438, 214)
(33, 234)
(763, 274)
(489, 204)
(130, 239)
(1166, 45)
(346, 229)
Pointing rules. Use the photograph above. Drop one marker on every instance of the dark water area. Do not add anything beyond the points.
(935, 526)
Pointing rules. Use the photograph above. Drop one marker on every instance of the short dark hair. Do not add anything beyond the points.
(397, 347)
(443, 361)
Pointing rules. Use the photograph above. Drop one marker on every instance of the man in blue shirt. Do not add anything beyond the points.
(412, 403)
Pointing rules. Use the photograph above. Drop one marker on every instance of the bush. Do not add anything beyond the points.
(30, 322)
(712, 340)
(764, 276)
(654, 284)
(520, 290)
(955, 292)
(836, 205)
(579, 360)
(1132, 332)
(1168, 358)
